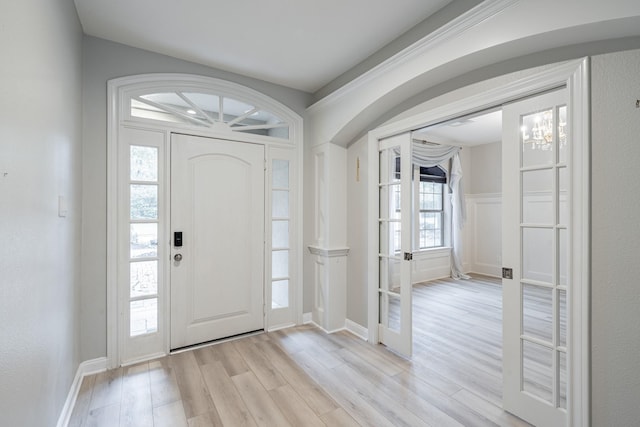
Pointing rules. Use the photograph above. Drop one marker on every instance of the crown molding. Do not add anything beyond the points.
(452, 29)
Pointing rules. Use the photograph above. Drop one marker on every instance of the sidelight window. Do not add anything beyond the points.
(143, 240)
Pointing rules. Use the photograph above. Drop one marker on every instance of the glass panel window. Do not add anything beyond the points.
(144, 201)
(280, 234)
(208, 110)
(431, 214)
(280, 264)
(144, 278)
(143, 240)
(280, 204)
(537, 254)
(562, 317)
(391, 312)
(537, 133)
(144, 163)
(563, 200)
(562, 367)
(280, 294)
(562, 134)
(537, 197)
(537, 370)
(281, 174)
(144, 317)
(537, 312)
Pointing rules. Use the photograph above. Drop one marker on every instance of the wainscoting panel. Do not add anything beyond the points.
(483, 234)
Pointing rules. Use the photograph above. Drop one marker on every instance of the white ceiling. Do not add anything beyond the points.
(484, 128)
(299, 44)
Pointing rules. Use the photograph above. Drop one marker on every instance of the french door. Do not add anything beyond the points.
(536, 253)
(217, 239)
(395, 246)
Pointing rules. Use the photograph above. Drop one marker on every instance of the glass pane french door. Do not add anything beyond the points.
(536, 228)
(395, 216)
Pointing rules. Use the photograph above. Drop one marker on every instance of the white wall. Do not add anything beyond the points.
(102, 61)
(40, 150)
(615, 205)
(482, 234)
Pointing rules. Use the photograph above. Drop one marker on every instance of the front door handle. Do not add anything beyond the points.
(177, 257)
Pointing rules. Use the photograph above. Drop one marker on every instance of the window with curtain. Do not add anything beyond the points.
(431, 190)
(429, 216)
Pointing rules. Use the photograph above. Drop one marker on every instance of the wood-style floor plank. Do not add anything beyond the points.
(294, 407)
(303, 376)
(264, 410)
(170, 415)
(136, 409)
(310, 391)
(226, 397)
(193, 390)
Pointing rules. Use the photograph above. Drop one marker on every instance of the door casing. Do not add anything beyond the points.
(575, 76)
(120, 91)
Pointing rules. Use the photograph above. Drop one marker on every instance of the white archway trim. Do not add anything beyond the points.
(499, 29)
(575, 76)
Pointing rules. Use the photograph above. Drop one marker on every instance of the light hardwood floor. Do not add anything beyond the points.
(304, 377)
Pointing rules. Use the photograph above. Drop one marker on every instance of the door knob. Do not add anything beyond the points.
(177, 257)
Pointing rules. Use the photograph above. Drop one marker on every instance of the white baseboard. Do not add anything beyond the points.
(356, 329)
(88, 367)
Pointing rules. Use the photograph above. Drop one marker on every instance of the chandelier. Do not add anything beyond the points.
(538, 128)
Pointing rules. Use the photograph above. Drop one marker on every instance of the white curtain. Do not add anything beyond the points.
(429, 155)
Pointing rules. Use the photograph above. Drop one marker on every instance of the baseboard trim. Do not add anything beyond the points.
(356, 329)
(88, 367)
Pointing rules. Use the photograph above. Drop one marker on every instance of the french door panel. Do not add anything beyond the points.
(535, 248)
(217, 270)
(395, 245)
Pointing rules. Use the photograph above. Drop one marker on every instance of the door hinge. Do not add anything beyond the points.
(408, 256)
(507, 273)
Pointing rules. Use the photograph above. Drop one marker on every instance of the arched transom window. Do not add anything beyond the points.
(208, 110)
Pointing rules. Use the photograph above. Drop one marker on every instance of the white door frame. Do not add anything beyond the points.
(575, 76)
(120, 91)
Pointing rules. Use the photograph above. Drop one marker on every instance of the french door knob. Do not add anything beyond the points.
(177, 257)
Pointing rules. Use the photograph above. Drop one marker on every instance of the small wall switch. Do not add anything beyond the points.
(62, 207)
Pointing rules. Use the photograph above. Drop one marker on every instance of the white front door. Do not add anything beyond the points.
(535, 252)
(395, 246)
(217, 204)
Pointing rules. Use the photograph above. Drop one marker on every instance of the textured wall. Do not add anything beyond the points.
(615, 206)
(40, 150)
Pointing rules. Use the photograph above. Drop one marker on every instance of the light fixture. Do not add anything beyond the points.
(191, 111)
(538, 128)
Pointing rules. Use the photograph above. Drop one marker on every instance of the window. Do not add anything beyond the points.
(143, 240)
(201, 109)
(431, 207)
(429, 216)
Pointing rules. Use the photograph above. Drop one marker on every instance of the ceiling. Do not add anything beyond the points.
(484, 128)
(299, 44)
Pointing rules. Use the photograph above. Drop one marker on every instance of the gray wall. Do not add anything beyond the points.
(102, 61)
(615, 205)
(485, 169)
(357, 232)
(40, 150)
